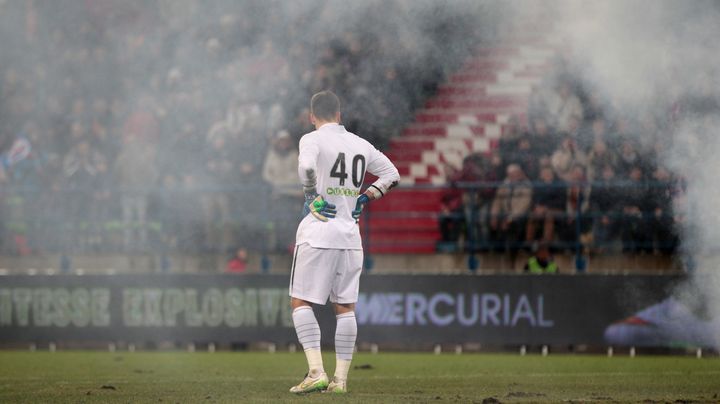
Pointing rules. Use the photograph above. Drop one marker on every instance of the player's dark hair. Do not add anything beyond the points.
(325, 105)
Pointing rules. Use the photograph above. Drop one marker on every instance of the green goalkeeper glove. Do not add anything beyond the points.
(319, 207)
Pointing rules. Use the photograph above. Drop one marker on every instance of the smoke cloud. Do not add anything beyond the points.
(205, 87)
(662, 58)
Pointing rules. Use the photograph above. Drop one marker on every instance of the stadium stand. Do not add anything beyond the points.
(467, 115)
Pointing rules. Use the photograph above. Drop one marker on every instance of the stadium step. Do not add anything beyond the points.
(468, 114)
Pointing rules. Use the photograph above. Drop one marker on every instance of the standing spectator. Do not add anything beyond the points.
(136, 175)
(548, 203)
(577, 223)
(220, 172)
(142, 122)
(599, 158)
(604, 206)
(510, 136)
(524, 156)
(567, 109)
(83, 167)
(628, 158)
(566, 157)
(543, 140)
(238, 263)
(508, 213)
(662, 224)
(280, 171)
(460, 204)
(634, 207)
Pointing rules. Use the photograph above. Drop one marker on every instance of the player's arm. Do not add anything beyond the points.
(388, 177)
(307, 170)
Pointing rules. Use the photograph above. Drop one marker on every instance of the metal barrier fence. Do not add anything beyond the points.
(211, 219)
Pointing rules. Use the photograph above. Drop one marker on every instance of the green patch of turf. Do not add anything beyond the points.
(174, 377)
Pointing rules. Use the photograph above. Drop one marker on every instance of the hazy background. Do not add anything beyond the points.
(103, 97)
(662, 59)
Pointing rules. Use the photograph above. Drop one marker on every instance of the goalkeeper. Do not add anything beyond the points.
(328, 251)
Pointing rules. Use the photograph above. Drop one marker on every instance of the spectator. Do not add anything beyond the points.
(509, 209)
(525, 157)
(634, 205)
(628, 158)
(142, 122)
(548, 204)
(574, 130)
(542, 262)
(566, 157)
(594, 108)
(605, 209)
(509, 136)
(662, 224)
(599, 158)
(577, 223)
(280, 171)
(220, 171)
(136, 174)
(567, 108)
(460, 204)
(238, 263)
(544, 142)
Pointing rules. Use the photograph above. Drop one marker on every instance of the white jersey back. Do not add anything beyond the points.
(339, 159)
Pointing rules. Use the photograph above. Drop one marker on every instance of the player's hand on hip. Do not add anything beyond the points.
(362, 200)
(319, 207)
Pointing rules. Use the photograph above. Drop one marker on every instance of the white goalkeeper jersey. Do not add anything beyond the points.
(339, 160)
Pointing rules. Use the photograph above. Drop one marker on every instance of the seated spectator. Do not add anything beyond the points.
(548, 204)
(566, 157)
(238, 263)
(577, 223)
(542, 262)
(634, 204)
(604, 206)
(509, 209)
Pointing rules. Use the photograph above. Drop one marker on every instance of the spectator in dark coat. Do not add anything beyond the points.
(605, 209)
(634, 205)
(509, 210)
(662, 223)
(548, 203)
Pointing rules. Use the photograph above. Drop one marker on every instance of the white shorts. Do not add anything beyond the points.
(319, 273)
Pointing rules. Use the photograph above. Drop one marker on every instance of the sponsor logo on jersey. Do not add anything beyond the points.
(342, 191)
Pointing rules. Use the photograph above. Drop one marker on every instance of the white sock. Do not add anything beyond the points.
(308, 332)
(345, 336)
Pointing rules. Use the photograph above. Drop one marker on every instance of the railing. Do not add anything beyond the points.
(217, 219)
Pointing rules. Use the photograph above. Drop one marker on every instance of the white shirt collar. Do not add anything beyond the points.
(329, 125)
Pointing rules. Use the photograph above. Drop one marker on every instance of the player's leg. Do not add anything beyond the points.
(344, 294)
(345, 336)
(309, 283)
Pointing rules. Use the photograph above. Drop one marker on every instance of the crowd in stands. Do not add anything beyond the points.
(134, 125)
(576, 174)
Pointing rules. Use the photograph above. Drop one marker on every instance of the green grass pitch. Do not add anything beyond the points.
(178, 377)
